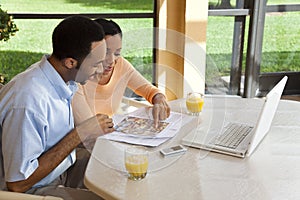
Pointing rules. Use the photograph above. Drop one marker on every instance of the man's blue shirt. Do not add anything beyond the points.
(35, 114)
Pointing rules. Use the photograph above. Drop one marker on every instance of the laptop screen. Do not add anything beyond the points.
(267, 114)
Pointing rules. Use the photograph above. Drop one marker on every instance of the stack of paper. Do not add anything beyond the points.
(138, 127)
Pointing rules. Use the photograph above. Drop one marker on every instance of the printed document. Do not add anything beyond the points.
(138, 127)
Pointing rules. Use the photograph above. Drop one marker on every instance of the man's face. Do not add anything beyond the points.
(92, 66)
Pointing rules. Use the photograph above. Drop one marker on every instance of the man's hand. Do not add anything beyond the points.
(161, 109)
(90, 129)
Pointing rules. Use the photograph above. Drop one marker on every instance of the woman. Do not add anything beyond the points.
(105, 94)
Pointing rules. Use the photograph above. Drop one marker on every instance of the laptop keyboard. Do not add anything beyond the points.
(232, 135)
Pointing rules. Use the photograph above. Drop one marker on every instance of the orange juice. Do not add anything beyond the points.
(136, 166)
(194, 104)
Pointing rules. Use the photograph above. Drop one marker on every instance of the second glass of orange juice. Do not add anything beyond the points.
(194, 103)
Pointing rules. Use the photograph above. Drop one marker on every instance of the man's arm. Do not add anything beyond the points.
(48, 161)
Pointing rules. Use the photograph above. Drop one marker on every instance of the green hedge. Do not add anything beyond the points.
(14, 62)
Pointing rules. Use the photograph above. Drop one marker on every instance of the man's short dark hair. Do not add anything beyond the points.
(73, 37)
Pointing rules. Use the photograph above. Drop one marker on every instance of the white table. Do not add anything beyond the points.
(272, 172)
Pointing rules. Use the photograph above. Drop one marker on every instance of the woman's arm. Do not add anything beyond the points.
(152, 94)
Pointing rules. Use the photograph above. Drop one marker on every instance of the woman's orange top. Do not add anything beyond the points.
(93, 98)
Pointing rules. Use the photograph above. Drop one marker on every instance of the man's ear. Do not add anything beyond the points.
(70, 63)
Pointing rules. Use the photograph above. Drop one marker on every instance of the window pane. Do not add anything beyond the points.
(34, 36)
(221, 4)
(219, 44)
(77, 6)
(277, 2)
(281, 47)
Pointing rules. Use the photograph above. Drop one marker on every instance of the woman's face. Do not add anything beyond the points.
(113, 52)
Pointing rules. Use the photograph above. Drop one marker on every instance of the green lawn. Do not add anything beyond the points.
(281, 47)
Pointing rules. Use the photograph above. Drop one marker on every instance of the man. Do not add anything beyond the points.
(38, 137)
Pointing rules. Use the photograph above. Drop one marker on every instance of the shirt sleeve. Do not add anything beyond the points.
(139, 84)
(22, 150)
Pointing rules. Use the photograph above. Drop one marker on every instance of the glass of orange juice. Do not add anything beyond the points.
(136, 162)
(194, 103)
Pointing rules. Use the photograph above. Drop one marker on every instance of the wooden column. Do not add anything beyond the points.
(171, 47)
(181, 46)
(195, 45)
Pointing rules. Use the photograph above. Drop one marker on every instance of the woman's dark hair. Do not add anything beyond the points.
(110, 27)
(73, 37)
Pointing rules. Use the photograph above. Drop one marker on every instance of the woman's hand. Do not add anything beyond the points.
(161, 109)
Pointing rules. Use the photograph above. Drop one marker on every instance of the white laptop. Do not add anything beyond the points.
(236, 138)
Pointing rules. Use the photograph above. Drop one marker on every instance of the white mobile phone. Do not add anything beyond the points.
(179, 149)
